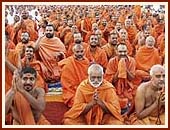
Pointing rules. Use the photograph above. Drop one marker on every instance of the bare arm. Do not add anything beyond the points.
(130, 76)
(10, 94)
(88, 107)
(82, 27)
(36, 103)
(10, 66)
(141, 111)
(41, 35)
(115, 78)
(8, 100)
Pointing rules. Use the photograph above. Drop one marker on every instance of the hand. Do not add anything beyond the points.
(162, 99)
(41, 34)
(17, 85)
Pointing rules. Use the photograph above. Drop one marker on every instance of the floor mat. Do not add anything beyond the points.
(54, 112)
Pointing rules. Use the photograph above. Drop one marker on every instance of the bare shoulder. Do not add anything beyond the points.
(142, 87)
(39, 91)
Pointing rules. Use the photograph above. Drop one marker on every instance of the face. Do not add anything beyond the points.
(29, 53)
(123, 34)
(77, 38)
(99, 34)
(118, 26)
(70, 23)
(158, 78)
(74, 29)
(94, 41)
(24, 38)
(114, 18)
(128, 23)
(150, 42)
(94, 27)
(96, 78)
(16, 18)
(78, 52)
(49, 32)
(28, 80)
(24, 15)
(146, 33)
(113, 39)
(104, 22)
(122, 51)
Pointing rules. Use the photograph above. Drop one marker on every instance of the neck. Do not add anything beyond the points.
(93, 49)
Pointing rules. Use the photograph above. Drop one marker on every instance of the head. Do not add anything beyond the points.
(146, 32)
(78, 51)
(123, 34)
(104, 22)
(74, 29)
(99, 33)
(157, 73)
(25, 37)
(77, 38)
(28, 77)
(95, 75)
(49, 31)
(113, 37)
(114, 18)
(150, 42)
(118, 26)
(94, 41)
(24, 14)
(29, 52)
(128, 23)
(70, 23)
(94, 27)
(122, 50)
(16, 18)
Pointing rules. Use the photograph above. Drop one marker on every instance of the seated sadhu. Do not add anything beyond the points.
(95, 103)
(24, 100)
(120, 72)
(150, 99)
(73, 72)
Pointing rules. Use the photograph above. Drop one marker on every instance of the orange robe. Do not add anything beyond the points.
(149, 120)
(129, 46)
(11, 31)
(39, 69)
(72, 73)
(131, 34)
(95, 116)
(25, 115)
(146, 58)
(137, 10)
(99, 56)
(87, 26)
(158, 30)
(48, 48)
(11, 44)
(21, 46)
(30, 27)
(110, 50)
(70, 51)
(124, 86)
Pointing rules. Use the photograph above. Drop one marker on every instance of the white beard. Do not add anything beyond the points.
(95, 85)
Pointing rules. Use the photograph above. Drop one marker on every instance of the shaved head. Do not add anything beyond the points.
(78, 51)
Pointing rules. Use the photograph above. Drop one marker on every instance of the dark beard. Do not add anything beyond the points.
(24, 41)
(48, 35)
(93, 46)
(78, 41)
